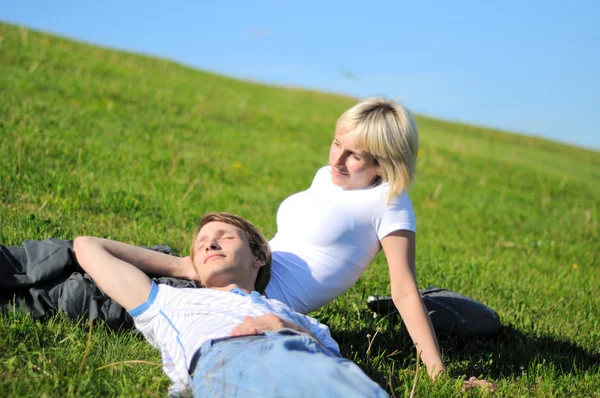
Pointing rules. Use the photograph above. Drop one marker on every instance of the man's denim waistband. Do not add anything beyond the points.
(281, 332)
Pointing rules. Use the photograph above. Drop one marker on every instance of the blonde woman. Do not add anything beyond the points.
(356, 206)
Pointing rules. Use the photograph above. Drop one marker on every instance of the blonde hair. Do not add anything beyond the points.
(258, 244)
(388, 131)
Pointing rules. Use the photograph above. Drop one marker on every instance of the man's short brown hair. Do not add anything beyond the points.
(258, 244)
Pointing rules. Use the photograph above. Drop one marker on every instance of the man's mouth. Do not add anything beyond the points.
(212, 256)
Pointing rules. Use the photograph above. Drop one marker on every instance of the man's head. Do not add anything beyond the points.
(229, 249)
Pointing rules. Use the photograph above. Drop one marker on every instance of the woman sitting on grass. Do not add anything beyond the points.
(357, 205)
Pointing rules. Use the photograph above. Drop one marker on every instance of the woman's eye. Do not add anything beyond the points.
(355, 156)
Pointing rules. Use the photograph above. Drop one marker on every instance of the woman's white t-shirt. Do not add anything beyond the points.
(327, 236)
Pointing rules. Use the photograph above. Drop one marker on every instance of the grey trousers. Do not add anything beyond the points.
(43, 277)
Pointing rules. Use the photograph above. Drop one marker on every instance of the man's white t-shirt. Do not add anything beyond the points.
(327, 236)
(178, 321)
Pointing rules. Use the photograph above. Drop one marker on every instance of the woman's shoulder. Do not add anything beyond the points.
(382, 193)
(323, 175)
(402, 200)
(400, 203)
(397, 214)
(324, 171)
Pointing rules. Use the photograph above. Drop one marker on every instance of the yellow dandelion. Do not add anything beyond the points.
(420, 153)
(575, 266)
(237, 165)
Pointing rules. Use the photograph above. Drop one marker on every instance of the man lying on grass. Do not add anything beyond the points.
(228, 339)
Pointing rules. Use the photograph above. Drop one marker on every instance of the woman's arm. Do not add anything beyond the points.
(399, 248)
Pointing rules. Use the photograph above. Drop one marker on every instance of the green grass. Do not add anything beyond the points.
(95, 141)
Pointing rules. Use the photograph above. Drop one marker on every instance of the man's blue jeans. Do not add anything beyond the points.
(277, 365)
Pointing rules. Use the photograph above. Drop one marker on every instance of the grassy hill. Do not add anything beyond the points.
(100, 142)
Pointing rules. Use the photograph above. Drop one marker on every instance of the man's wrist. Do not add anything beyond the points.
(187, 269)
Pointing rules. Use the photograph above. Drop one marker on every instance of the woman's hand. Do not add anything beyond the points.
(474, 382)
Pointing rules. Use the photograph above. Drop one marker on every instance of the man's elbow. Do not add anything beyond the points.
(81, 245)
(81, 242)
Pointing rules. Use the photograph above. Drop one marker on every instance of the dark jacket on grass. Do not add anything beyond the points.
(42, 277)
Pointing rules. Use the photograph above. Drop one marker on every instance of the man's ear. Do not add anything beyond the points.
(259, 263)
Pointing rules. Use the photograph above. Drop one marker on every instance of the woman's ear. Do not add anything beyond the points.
(378, 169)
(378, 175)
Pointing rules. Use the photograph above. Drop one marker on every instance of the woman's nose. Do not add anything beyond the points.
(212, 246)
(337, 158)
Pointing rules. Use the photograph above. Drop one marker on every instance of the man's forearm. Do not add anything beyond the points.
(125, 283)
(150, 261)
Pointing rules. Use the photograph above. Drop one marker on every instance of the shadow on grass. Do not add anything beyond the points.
(512, 352)
(507, 354)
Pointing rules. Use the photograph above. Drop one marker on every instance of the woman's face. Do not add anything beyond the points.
(351, 168)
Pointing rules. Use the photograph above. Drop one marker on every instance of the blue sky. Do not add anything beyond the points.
(524, 66)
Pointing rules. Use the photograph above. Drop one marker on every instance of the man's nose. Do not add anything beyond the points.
(212, 246)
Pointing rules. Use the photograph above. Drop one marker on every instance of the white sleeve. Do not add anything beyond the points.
(148, 320)
(145, 314)
(399, 215)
